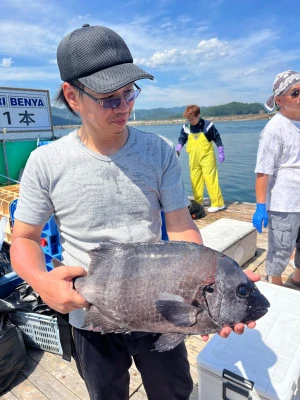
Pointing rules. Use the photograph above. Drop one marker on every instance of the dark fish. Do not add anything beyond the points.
(173, 288)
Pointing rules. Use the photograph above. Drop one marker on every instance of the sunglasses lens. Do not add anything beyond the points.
(295, 93)
(111, 103)
(132, 96)
(114, 102)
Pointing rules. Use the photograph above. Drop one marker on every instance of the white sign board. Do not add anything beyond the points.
(25, 112)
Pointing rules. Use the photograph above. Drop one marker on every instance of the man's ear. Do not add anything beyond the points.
(277, 100)
(71, 95)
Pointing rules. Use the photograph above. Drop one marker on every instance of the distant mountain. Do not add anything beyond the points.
(62, 116)
(233, 108)
(158, 113)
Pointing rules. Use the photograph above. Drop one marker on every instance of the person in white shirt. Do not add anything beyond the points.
(278, 176)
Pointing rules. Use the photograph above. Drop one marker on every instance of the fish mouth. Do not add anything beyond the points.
(254, 315)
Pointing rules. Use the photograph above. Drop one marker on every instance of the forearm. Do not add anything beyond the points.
(261, 188)
(28, 260)
(55, 287)
(189, 235)
(181, 227)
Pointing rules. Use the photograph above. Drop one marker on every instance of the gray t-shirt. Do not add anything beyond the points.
(279, 157)
(96, 198)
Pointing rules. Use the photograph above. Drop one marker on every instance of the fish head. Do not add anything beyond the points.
(233, 297)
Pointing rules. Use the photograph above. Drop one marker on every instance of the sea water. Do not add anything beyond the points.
(236, 174)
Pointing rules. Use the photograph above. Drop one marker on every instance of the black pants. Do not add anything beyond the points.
(103, 362)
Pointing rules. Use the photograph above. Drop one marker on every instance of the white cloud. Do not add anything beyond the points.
(205, 49)
(6, 62)
(28, 40)
(27, 74)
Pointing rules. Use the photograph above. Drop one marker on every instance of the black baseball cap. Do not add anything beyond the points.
(99, 58)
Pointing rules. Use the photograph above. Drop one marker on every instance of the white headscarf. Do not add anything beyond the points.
(282, 83)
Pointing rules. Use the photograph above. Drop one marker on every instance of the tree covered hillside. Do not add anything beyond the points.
(233, 108)
(61, 116)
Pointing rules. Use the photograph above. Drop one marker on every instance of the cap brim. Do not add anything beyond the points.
(270, 103)
(114, 78)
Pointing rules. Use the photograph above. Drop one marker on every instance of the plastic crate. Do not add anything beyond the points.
(8, 194)
(50, 239)
(39, 331)
(12, 209)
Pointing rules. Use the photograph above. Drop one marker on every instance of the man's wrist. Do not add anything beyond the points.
(261, 206)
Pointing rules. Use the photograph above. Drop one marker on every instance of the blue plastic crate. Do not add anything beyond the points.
(49, 258)
(12, 209)
(50, 228)
(50, 240)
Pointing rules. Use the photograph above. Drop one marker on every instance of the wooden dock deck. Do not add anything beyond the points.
(47, 377)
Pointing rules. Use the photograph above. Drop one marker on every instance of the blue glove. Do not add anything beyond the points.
(259, 216)
(221, 154)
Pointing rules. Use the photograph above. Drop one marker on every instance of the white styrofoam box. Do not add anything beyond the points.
(236, 239)
(263, 363)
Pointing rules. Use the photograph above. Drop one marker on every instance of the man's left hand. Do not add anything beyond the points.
(239, 327)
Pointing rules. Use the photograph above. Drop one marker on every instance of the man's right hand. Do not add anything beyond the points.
(259, 216)
(57, 290)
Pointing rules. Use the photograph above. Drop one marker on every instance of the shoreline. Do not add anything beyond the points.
(226, 118)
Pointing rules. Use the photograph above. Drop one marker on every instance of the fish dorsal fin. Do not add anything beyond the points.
(178, 313)
(57, 263)
(105, 251)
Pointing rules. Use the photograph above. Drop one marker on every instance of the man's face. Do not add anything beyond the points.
(194, 120)
(105, 120)
(289, 103)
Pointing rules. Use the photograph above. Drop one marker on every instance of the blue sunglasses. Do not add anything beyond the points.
(112, 102)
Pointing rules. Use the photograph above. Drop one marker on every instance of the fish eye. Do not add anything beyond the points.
(242, 290)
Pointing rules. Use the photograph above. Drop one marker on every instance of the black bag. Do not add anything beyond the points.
(5, 266)
(196, 210)
(25, 299)
(12, 353)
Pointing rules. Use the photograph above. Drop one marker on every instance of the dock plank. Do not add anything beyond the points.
(62, 372)
(47, 376)
(47, 384)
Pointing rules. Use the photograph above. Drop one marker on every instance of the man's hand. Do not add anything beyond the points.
(57, 290)
(239, 327)
(259, 216)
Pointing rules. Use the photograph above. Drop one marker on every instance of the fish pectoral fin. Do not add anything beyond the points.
(178, 313)
(168, 341)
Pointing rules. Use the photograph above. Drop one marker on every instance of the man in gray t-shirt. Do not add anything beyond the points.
(105, 181)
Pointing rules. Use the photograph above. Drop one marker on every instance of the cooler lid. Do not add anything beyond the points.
(267, 355)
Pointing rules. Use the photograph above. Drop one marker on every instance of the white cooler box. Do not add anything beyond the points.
(263, 363)
(236, 239)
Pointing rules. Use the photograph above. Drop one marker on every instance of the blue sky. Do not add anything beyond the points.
(207, 52)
